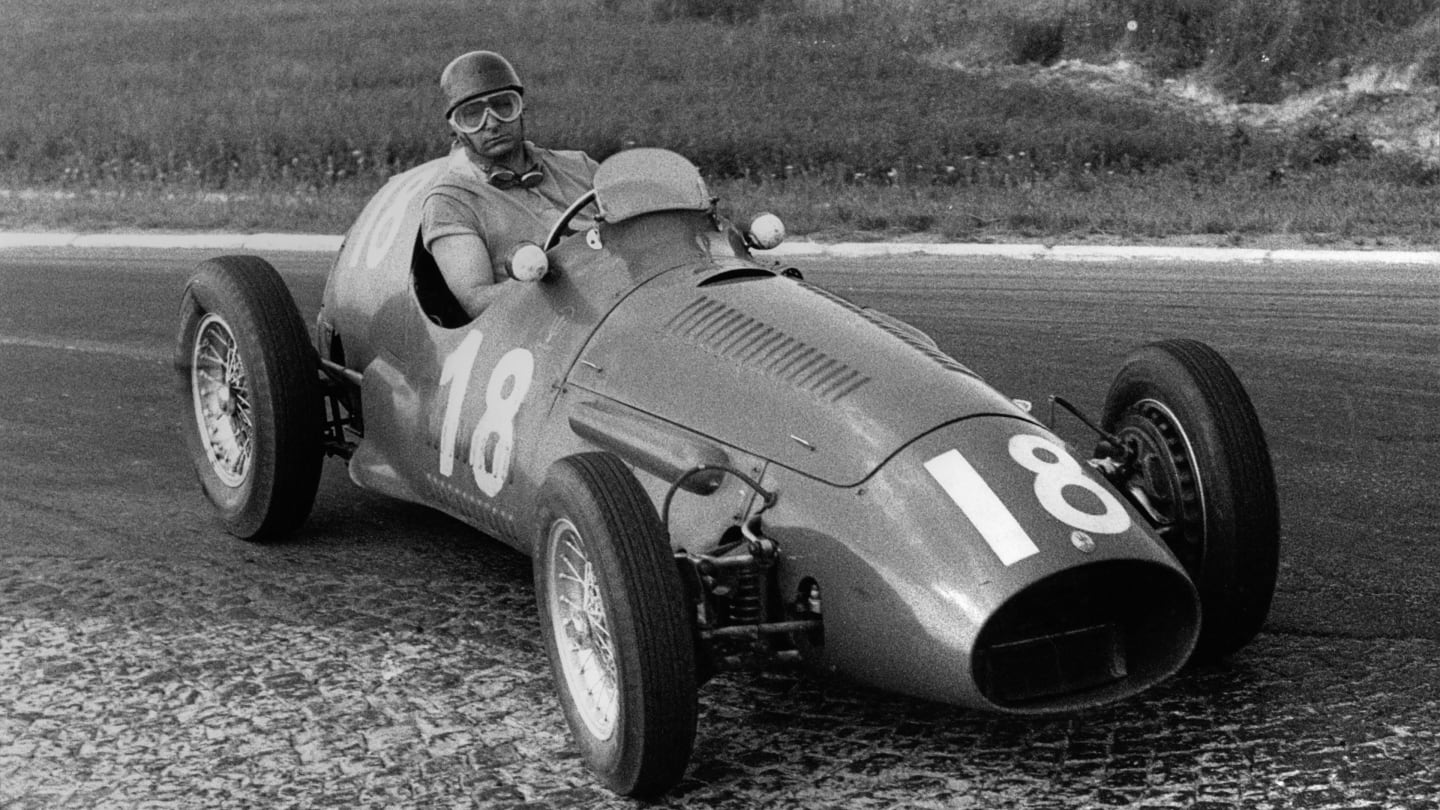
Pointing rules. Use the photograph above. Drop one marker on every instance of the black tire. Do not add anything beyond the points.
(635, 725)
(254, 417)
(1206, 467)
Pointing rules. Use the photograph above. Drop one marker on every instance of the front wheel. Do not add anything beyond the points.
(249, 388)
(1202, 467)
(612, 609)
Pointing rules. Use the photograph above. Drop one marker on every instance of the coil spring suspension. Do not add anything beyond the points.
(730, 589)
(747, 600)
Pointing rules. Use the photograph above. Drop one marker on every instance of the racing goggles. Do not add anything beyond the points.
(507, 179)
(470, 116)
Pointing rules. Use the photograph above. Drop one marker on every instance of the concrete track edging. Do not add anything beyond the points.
(325, 243)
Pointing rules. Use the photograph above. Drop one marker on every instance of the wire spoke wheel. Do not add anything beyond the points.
(221, 397)
(249, 381)
(582, 631)
(617, 627)
(1200, 463)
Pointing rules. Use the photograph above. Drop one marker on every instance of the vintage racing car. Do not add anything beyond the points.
(715, 464)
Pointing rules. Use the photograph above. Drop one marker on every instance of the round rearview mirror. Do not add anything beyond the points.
(527, 262)
(766, 232)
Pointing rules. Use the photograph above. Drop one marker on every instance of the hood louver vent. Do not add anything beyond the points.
(722, 330)
(913, 340)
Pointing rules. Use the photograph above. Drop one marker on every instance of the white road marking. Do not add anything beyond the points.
(88, 347)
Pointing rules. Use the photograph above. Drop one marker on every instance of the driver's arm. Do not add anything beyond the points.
(465, 264)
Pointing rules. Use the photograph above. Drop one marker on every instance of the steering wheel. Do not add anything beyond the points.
(559, 227)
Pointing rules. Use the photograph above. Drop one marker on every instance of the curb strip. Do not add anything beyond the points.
(322, 243)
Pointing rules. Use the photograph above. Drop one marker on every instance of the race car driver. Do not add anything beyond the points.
(498, 189)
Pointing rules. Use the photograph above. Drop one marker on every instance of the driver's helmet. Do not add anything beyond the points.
(475, 74)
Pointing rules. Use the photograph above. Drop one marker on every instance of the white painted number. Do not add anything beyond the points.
(380, 225)
(493, 441)
(1007, 538)
(492, 444)
(1054, 469)
(456, 374)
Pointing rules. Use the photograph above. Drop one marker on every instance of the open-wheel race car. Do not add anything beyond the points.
(717, 465)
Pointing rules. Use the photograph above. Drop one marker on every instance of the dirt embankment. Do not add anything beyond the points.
(1385, 109)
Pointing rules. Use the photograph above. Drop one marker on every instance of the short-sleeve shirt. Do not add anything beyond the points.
(464, 201)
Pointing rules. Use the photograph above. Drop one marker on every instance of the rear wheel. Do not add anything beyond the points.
(249, 388)
(612, 610)
(1203, 467)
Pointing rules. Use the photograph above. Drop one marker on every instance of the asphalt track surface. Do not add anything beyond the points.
(391, 657)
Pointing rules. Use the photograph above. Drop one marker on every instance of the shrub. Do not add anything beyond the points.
(725, 11)
(1038, 41)
(1257, 50)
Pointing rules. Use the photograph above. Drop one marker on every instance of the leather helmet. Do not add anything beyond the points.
(475, 74)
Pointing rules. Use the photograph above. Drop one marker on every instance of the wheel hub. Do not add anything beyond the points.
(1166, 477)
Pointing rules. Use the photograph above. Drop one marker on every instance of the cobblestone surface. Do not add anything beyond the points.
(273, 683)
(391, 658)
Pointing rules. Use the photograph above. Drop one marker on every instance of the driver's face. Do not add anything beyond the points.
(496, 140)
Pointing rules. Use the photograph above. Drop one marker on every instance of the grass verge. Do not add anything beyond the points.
(203, 114)
(1329, 209)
